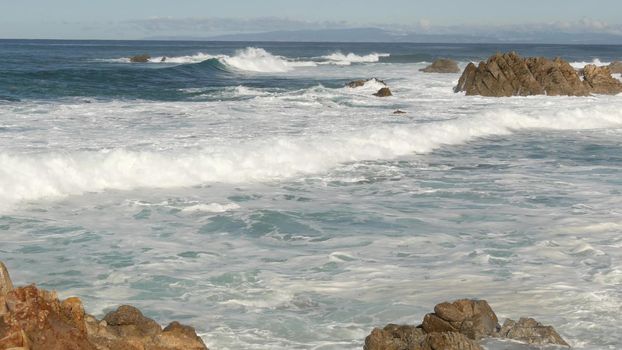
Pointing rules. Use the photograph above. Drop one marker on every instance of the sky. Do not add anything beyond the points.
(137, 19)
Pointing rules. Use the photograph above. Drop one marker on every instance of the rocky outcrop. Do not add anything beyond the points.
(35, 319)
(530, 331)
(384, 92)
(362, 82)
(511, 75)
(599, 80)
(615, 67)
(442, 65)
(140, 58)
(460, 325)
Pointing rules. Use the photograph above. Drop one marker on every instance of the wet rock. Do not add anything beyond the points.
(384, 92)
(442, 65)
(599, 80)
(615, 67)
(35, 319)
(511, 75)
(163, 59)
(140, 58)
(362, 82)
(399, 111)
(530, 331)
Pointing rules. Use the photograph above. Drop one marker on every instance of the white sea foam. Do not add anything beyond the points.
(31, 177)
(596, 61)
(211, 208)
(250, 59)
(339, 58)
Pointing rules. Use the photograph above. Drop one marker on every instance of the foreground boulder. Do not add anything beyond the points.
(511, 75)
(600, 81)
(442, 65)
(460, 325)
(35, 319)
(140, 58)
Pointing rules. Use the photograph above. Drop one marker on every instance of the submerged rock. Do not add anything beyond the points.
(460, 325)
(140, 58)
(600, 81)
(511, 75)
(442, 65)
(530, 331)
(362, 82)
(35, 319)
(384, 92)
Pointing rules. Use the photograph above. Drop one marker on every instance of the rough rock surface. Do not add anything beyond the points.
(140, 58)
(530, 331)
(616, 67)
(361, 82)
(442, 65)
(599, 80)
(459, 325)
(384, 92)
(35, 319)
(473, 318)
(511, 75)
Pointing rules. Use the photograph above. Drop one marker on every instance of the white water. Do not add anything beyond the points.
(303, 218)
(258, 60)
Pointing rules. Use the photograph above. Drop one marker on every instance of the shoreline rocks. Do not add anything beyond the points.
(509, 74)
(35, 319)
(442, 65)
(361, 82)
(460, 325)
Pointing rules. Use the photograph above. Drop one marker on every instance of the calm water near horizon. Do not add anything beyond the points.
(242, 189)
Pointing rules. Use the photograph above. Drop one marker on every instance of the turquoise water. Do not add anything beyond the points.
(247, 192)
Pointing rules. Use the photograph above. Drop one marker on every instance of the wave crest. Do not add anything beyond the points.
(339, 58)
(32, 177)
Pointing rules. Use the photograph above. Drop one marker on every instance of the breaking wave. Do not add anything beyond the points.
(339, 58)
(33, 177)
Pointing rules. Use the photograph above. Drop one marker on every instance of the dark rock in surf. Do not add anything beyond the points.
(140, 58)
(442, 65)
(163, 59)
(530, 331)
(399, 111)
(362, 82)
(511, 75)
(599, 80)
(384, 92)
(460, 325)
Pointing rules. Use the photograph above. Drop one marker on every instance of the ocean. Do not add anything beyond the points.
(243, 189)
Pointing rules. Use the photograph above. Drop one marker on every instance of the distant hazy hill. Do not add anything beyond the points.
(381, 35)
